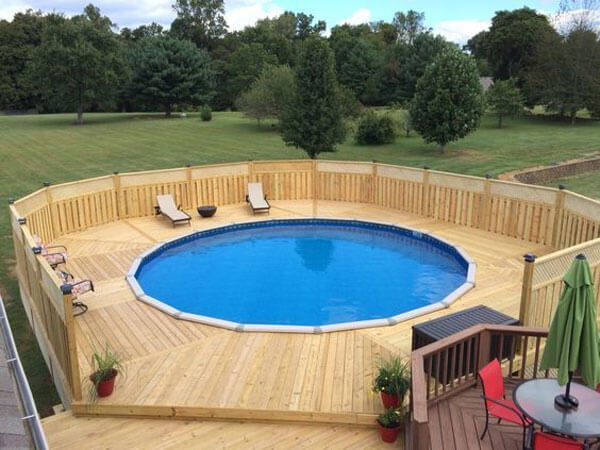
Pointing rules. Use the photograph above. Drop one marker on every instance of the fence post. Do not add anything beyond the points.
(373, 198)
(117, 188)
(425, 206)
(526, 290)
(71, 342)
(315, 185)
(484, 349)
(250, 171)
(486, 210)
(53, 216)
(191, 202)
(558, 216)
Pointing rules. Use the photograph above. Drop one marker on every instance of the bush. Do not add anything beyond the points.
(206, 113)
(374, 129)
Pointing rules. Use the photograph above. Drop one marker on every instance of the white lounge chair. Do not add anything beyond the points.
(166, 207)
(256, 199)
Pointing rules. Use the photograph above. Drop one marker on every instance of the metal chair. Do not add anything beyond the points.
(495, 401)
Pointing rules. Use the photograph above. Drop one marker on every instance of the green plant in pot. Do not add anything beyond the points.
(106, 365)
(390, 422)
(392, 381)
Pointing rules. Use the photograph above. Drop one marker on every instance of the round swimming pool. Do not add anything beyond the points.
(307, 275)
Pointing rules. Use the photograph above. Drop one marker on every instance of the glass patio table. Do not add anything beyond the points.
(535, 399)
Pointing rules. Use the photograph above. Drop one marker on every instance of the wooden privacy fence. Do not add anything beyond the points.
(49, 310)
(543, 281)
(541, 215)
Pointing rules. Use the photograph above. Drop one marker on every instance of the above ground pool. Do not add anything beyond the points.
(302, 275)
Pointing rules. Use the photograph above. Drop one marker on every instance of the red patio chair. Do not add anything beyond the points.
(547, 441)
(495, 401)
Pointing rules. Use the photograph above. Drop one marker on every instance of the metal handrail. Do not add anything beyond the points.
(31, 418)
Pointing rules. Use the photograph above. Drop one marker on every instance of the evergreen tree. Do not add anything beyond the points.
(313, 119)
(448, 103)
(169, 71)
(504, 99)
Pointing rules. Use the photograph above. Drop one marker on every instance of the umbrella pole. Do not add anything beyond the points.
(566, 400)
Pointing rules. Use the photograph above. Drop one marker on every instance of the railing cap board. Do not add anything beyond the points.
(434, 347)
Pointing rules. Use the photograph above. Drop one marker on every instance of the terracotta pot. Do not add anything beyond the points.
(388, 434)
(106, 386)
(389, 401)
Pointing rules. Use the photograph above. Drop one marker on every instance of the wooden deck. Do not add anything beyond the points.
(183, 369)
(457, 424)
(64, 431)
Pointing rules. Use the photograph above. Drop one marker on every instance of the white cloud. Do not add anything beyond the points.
(460, 31)
(240, 14)
(8, 8)
(360, 16)
(563, 22)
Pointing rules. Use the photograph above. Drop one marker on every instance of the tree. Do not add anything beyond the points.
(200, 21)
(313, 118)
(154, 29)
(409, 25)
(170, 71)
(78, 60)
(243, 67)
(578, 15)
(269, 94)
(405, 65)
(448, 103)
(18, 40)
(565, 76)
(358, 60)
(509, 44)
(504, 99)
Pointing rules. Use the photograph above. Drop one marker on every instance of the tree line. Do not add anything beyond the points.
(53, 63)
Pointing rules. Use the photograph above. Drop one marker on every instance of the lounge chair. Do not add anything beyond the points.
(78, 287)
(166, 207)
(53, 257)
(256, 199)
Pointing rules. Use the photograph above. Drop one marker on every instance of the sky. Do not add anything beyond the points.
(457, 21)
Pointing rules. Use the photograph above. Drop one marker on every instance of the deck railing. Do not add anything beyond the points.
(449, 366)
(540, 215)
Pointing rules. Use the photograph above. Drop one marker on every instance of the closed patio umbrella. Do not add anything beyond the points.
(572, 343)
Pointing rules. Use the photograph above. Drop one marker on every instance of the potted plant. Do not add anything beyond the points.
(106, 366)
(392, 381)
(389, 423)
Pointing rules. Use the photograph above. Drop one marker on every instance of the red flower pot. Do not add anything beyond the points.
(388, 434)
(389, 401)
(106, 386)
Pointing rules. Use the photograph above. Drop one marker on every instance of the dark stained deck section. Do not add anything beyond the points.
(457, 422)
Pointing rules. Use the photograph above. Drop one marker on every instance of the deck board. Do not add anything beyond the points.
(457, 423)
(174, 363)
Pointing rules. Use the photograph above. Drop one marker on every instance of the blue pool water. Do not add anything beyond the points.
(313, 272)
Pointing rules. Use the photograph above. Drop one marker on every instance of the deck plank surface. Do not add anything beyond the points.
(171, 362)
(457, 423)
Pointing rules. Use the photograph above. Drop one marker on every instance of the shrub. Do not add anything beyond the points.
(375, 129)
(391, 418)
(393, 378)
(206, 113)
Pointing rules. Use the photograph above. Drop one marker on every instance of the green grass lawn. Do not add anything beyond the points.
(587, 184)
(34, 149)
